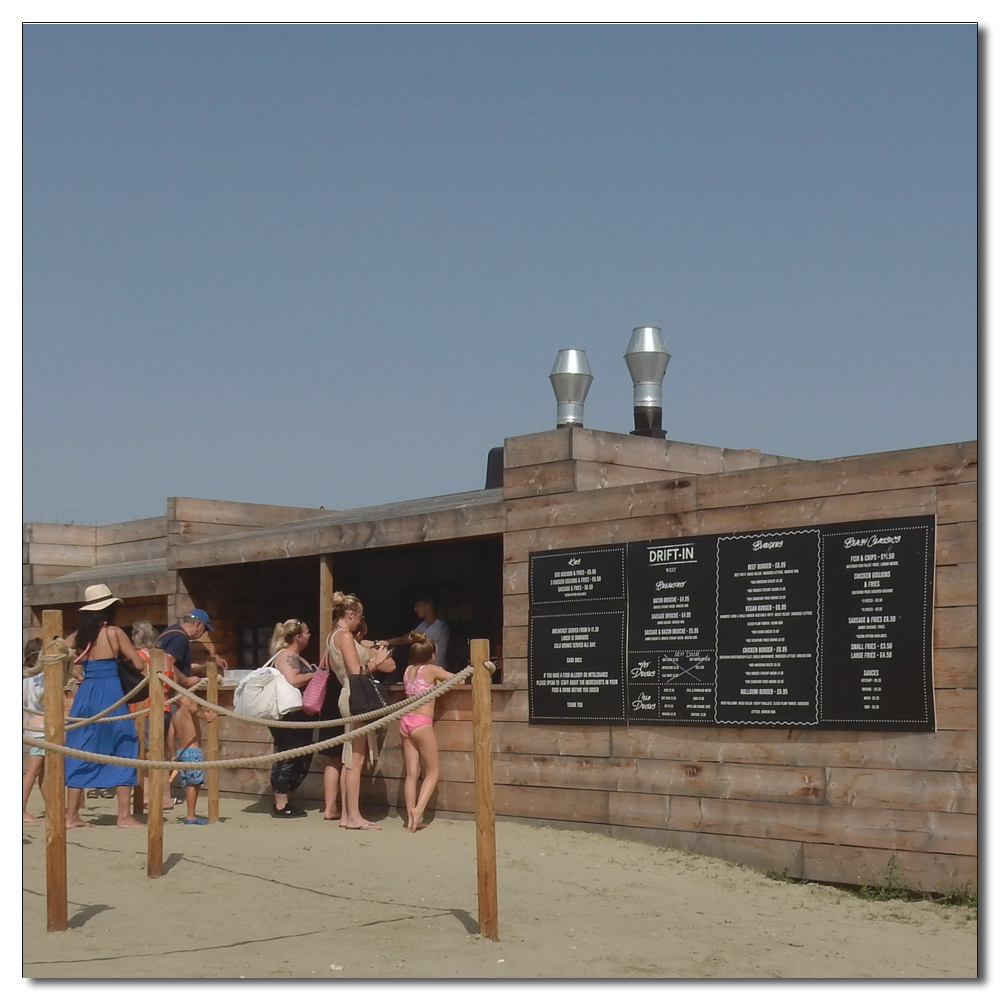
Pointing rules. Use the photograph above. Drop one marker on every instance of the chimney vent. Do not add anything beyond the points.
(647, 360)
(570, 380)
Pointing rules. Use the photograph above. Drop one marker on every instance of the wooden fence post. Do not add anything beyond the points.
(154, 816)
(212, 743)
(54, 782)
(325, 625)
(482, 740)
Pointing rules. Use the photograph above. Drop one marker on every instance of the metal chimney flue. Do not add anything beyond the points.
(570, 378)
(647, 359)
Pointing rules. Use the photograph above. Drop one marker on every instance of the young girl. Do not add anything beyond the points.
(417, 731)
(32, 689)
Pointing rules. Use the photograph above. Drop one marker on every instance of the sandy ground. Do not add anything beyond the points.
(264, 898)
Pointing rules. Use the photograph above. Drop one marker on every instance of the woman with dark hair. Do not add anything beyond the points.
(99, 643)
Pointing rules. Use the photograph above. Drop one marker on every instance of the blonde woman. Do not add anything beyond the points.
(290, 638)
(352, 663)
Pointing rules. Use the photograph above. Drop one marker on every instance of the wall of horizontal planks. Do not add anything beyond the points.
(833, 806)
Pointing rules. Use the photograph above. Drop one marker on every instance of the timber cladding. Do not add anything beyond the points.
(833, 806)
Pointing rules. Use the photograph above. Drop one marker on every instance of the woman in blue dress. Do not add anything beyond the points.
(98, 643)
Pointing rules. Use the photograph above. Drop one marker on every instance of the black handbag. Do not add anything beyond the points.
(129, 677)
(365, 696)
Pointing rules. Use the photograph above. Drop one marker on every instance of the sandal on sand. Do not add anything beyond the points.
(107, 793)
(92, 793)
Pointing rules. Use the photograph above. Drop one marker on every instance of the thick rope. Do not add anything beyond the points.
(100, 717)
(324, 724)
(394, 711)
(60, 657)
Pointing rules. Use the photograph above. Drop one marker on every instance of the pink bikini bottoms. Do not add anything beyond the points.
(413, 720)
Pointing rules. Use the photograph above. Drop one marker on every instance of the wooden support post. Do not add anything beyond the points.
(154, 817)
(482, 741)
(325, 599)
(212, 743)
(54, 783)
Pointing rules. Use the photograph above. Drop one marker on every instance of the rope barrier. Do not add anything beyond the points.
(320, 724)
(61, 657)
(383, 717)
(100, 717)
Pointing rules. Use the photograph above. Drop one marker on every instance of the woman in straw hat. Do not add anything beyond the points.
(99, 644)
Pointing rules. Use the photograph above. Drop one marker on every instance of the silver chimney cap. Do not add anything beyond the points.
(647, 359)
(570, 378)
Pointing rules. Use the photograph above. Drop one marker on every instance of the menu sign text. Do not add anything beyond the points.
(827, 627)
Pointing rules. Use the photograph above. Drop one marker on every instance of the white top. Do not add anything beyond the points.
(439, 632)
(33, 710)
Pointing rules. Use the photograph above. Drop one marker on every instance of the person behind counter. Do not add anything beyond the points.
(429, 626)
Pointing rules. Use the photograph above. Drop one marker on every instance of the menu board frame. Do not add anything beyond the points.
(821, 626)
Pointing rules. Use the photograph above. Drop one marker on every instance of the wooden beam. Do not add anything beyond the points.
(212, 743)
(486, 838)
(325, 597)
(154, 818)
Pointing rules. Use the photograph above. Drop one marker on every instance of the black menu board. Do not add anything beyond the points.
(827, 627)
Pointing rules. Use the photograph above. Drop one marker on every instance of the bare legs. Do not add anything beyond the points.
(125, 820)
(36, 769)
(74, 796)
(331, 787)
(420, 745)
(351, 818)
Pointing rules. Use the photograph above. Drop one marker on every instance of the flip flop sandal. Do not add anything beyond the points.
(92, 793)
(107, 793)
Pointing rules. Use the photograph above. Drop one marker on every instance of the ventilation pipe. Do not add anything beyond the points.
(647, 360)
(570, 380)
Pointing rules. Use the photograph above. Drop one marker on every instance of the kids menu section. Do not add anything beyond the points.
(828, 627)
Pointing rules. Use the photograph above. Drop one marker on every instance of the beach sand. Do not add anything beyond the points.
(262, 898)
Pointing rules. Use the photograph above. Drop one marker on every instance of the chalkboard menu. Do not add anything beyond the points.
(827, 627)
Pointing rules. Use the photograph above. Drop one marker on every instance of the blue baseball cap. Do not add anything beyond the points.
(201, 616)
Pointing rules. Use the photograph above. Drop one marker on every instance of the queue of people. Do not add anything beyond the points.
(350, 658)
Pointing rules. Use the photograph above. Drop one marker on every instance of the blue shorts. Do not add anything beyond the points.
(188, 778)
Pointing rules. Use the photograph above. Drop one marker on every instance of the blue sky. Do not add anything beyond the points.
(334, 264)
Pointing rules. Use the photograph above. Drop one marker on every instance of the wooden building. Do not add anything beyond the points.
(820, 804)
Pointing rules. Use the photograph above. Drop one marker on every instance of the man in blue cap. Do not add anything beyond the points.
(175, 641)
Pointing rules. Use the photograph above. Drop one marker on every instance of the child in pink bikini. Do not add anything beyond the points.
(417, 731)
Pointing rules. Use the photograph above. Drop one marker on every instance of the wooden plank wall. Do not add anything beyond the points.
(832, 806)
(131, 541)
(190, 520)
(53, 550)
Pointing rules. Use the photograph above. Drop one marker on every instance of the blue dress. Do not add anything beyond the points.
(100, 688)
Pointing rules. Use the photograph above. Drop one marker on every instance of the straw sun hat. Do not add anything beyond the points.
(98, 597)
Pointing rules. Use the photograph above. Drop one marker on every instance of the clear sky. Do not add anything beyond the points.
(332, 265)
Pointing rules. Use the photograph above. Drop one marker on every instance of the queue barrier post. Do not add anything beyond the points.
(482, 739)
(154, 817)
(212, 743)
(54, 782)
